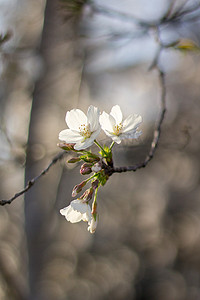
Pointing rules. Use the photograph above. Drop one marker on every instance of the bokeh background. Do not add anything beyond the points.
(69, 54)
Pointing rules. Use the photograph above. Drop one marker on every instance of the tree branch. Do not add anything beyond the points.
(168, 17)
(157, 131)
(31, 182)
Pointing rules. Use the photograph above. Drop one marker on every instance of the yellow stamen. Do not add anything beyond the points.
(85, 131)
(118, 129)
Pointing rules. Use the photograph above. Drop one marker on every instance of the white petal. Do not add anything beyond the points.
(77, 211)
(131, 123)
(81, 145)
(95, 133)
(74, 217)
(117, 139)
(131, 135)
(64, 211)
(116, 113)
(92, 225)
(70, 136)
(79, 206)
(83, 208)
(75, 118)
(93, 118)
(107, 122)
(71, 215)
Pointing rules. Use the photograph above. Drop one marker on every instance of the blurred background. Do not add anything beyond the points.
(59, 55)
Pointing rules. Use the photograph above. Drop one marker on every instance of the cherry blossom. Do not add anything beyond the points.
(83, 130)
(116, 128)
(93, 224)
(77, 211)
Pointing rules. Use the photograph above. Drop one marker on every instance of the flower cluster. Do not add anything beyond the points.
(81, 134)
(83, 130)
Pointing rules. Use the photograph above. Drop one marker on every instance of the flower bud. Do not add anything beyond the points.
(78, 188)
(85, 169)
(97, 167)
(95, 184)
(73, 160)
(87, 195)
(66, 146)
(86, 165)
(90, 157)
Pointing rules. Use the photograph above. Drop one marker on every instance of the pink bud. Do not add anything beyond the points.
(95, 184)
(87, 195)
(66, 146)
(78, 188)
(85, 171)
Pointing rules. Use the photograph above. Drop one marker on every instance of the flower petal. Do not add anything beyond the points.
(75, 118)
(81, 145)
(70, 136)
(116, 113)
(131, 123)
(93, 225)
(83, 208)
(74, 216)
(107, 122)
(64, 211)
(93, 118)
(71, 215)
(79, 206)
(131, 135)
(95, 134)
(116, 139)
(77, 211)
(86, 143)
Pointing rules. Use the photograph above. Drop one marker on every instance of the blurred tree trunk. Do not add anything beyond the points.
(40, 199)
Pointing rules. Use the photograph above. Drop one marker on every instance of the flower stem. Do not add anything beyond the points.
(91, 177)
(99, 146)
(94, 204)
(112, 145)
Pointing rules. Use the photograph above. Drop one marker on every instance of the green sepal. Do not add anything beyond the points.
(90, 157)
(102, 177)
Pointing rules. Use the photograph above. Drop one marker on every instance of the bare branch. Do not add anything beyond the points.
(157, 131)
(168, 17)
(183, 12)
(31, 182)
(119, 15)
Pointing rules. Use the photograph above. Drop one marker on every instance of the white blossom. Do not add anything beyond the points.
(77, 211)
(83, 130)
(116, 128)
(93, 224)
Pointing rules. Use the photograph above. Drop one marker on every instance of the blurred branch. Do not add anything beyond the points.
(168, 17)
(6, 37)
(31, 182)
(157, 130)
(119, 15)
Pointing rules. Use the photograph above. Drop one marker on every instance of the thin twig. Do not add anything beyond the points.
(156, 134)
(107, 11)
(168, 17)
(31, 182)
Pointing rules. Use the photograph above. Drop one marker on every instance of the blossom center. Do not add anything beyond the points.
(118, 129)
(85, 130)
